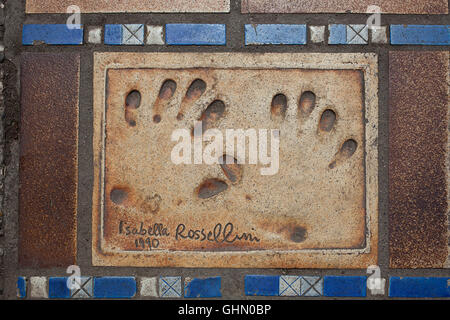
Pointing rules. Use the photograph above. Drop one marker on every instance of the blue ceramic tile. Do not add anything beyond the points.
(338, 34)
(113, 34)
(344, 286)
(262, 285)
(420, 34)
(21, 287)
(419, 287)
(51, 34)
(114, 287)
(57, 288)
(196, 34)
(203, 288)
(275, 34)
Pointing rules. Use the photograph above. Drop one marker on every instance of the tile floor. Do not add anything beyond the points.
(357, 119)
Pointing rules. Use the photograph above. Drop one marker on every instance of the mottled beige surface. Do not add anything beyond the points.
(91, 6)
(345, 6)
(337, 207)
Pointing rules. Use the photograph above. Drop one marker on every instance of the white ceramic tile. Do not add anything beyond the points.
(148, 287)
(290, 286)
(155, 35)
(170, 287)
(357, 34)
(317, 34)
(133, 34)
(86, 289)
(312, 286)
(95, 35)
(379, 34)
(38, 287)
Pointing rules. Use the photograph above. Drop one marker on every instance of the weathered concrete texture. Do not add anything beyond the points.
(91, 6)
(2, 137)
(48, 159)
(345, 6)
(418, 151)
(318, 210)
(2, 110)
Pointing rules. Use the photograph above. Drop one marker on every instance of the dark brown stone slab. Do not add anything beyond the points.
(418, 146)
(345, 6)
(48, 159)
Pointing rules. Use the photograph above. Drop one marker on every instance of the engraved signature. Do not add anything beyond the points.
(219, 234)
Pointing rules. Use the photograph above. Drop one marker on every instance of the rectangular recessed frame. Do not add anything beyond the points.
(116, 74)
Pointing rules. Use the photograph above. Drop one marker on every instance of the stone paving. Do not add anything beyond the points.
(117, 180)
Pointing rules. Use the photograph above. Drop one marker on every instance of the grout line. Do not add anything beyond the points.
(2, 148)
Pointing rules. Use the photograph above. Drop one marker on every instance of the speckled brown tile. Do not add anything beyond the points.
(345, 6)
(418, 178)
(317, 209)
(48, 159)
(90, 6)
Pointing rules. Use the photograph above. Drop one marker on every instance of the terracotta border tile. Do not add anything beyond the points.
(345, 6)
(48, 159)
(104, 6)
(418, 151)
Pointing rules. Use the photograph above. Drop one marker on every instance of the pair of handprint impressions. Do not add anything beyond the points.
(316, 198)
